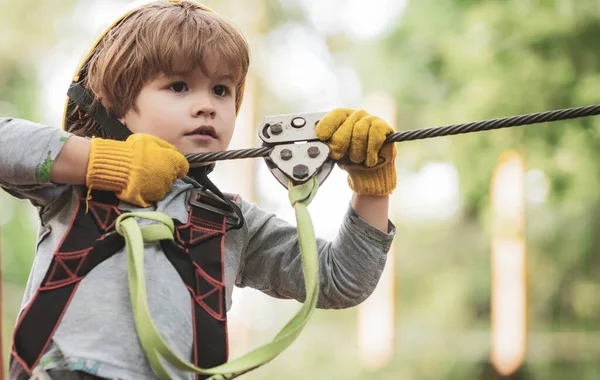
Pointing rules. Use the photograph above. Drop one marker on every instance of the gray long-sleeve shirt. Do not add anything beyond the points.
(97, 333)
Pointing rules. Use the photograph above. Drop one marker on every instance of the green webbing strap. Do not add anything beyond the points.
(153, 344)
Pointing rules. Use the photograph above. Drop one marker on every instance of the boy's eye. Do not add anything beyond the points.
(178, 87)
(221, 90)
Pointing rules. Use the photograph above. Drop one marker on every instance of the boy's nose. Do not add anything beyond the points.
(205, 109)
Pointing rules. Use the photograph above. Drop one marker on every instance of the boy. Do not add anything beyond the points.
(165, 80)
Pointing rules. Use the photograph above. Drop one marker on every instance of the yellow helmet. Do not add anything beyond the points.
(78, 95)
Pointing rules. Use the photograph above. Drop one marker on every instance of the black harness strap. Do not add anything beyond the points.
(80, 96)
(85, 245)
(200, 265)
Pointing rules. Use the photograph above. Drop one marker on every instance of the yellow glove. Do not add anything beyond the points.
(140, 170)
(356, 138)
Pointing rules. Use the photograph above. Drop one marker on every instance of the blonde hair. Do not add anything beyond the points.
(163, 37)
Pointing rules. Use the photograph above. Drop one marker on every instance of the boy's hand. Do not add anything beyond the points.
(140, 170)
(356, 139)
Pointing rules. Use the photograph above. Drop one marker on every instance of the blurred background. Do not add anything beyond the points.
(495, 269)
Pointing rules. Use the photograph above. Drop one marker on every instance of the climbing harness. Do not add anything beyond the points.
(195, 250)
(91, 239)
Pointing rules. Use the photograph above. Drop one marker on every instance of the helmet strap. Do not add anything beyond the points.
(82, 98)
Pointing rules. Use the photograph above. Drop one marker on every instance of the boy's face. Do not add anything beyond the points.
(194, 112)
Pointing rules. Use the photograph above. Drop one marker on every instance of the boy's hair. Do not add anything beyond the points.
(172, 38)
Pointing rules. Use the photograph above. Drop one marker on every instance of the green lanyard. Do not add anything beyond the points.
(154, 345)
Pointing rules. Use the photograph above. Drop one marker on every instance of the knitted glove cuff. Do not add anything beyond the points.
(109, 166)
(375, 181)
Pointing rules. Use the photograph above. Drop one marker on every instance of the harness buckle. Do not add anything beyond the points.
(213, 203)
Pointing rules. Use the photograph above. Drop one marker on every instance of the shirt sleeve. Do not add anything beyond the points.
(349, 266)
(27, 152)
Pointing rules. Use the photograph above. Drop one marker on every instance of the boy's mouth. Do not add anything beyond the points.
(203, 130)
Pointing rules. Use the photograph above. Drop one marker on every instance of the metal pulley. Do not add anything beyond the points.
(297, 153)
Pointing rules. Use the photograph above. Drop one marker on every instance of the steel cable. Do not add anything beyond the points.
(425, 133)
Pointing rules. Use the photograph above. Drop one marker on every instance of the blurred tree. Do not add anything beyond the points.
(24, 40)
(464, 60)
(457, 61)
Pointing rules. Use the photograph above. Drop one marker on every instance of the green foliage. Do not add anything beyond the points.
(458, 61)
